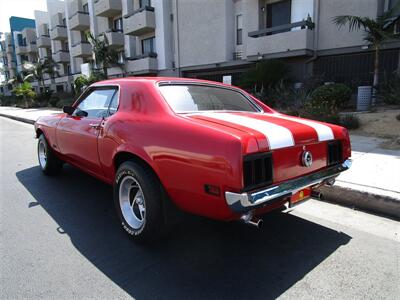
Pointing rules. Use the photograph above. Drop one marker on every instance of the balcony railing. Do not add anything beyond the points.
(281, 39)
(140, 22)
(281, 28)
(81, 49)
(43, 41)
(31, 47)
(107, 8)
(79, 21)
(61, 56)
(20, 49)
(59, 32)
(115, 39)
(9, 48)
(142, 64)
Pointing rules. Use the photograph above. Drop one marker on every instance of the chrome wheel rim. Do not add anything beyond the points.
(42, 154)
(132, 202)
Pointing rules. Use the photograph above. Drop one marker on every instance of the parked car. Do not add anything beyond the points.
(204, 147)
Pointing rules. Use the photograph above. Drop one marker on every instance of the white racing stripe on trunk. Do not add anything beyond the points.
(277, 136)
(324, 132)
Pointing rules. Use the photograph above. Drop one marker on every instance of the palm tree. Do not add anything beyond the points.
(39, 68)
(104, 55)
(376, 32)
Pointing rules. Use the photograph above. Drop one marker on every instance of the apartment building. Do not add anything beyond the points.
(209, 39)
(22, 38)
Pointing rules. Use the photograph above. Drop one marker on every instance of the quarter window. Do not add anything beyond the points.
(96, 104)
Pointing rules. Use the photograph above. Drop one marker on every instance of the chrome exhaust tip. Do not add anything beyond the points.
(330, 182)
(318, 195)
(251, 220)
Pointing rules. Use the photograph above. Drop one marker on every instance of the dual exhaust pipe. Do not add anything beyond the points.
(251, 220)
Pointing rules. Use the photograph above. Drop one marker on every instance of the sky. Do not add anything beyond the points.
(18, 8)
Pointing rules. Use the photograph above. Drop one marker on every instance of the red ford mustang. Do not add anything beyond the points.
(204, 147)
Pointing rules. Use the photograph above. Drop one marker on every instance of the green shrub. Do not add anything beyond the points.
(389, 91)
(265, 75)
(8, 100)
(350, 122)
(43, 99)
(328, 99)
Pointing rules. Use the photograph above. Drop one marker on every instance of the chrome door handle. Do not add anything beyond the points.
(95, 126)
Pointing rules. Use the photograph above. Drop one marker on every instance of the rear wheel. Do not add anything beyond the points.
(138, 201)
(48, 161)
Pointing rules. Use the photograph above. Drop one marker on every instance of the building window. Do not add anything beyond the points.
(278, 13)
(118, 25)
(59, 88)
(85, 7)
(144, 3)
(239, 30)
(148, 45)
(64, 22)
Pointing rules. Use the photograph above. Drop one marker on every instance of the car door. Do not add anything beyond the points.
(77, 133)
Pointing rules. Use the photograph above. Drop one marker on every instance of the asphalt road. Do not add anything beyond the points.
(60, 239)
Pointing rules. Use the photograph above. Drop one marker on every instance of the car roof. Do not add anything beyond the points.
(155, 80)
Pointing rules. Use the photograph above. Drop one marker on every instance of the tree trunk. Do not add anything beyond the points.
(376, 76)
(105, 72)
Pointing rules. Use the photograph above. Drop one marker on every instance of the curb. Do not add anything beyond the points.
(370, 202)
(29, 121)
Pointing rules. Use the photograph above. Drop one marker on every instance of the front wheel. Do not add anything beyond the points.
(138, 201)
(48, 161)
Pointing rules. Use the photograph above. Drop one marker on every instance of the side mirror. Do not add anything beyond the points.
(69, 110)
(81, 113)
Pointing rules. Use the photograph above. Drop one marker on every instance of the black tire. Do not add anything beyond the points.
(51, 165)
(150, 228)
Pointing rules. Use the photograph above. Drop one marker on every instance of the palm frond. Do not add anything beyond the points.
(353, 22)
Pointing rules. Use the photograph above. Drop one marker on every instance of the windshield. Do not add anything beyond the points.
(184, 98)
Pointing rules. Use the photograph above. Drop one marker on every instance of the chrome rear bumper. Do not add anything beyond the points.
(241, 203)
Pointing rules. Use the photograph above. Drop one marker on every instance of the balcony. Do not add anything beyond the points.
(79, 21)
(82, 49)
(43, 41)
(281, 39)
(61, 56)
(9, 48)
(107, 8)
(140, 22)
(115, 39)
(20, 50)
(31, 47)
(59, 32)
(142, 64)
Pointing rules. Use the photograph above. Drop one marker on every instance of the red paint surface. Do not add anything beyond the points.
(186, 152)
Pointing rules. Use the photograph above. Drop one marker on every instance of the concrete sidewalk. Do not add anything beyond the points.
(372, 183)
(27, 115)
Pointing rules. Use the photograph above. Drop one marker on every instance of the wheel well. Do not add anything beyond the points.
(38, 132)
(122, 157)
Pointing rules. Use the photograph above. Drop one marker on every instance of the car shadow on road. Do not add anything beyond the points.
(199, 259)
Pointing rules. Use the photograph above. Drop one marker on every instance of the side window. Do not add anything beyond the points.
(96, 103)
(114, 104)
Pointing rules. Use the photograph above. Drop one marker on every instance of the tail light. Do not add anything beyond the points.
(257, 170)
(335, 153)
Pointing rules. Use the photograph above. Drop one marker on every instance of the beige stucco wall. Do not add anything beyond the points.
(329, 34)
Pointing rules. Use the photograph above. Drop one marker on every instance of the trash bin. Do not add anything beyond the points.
(364, 98)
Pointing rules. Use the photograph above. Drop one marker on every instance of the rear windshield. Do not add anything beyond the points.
(185, 98)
